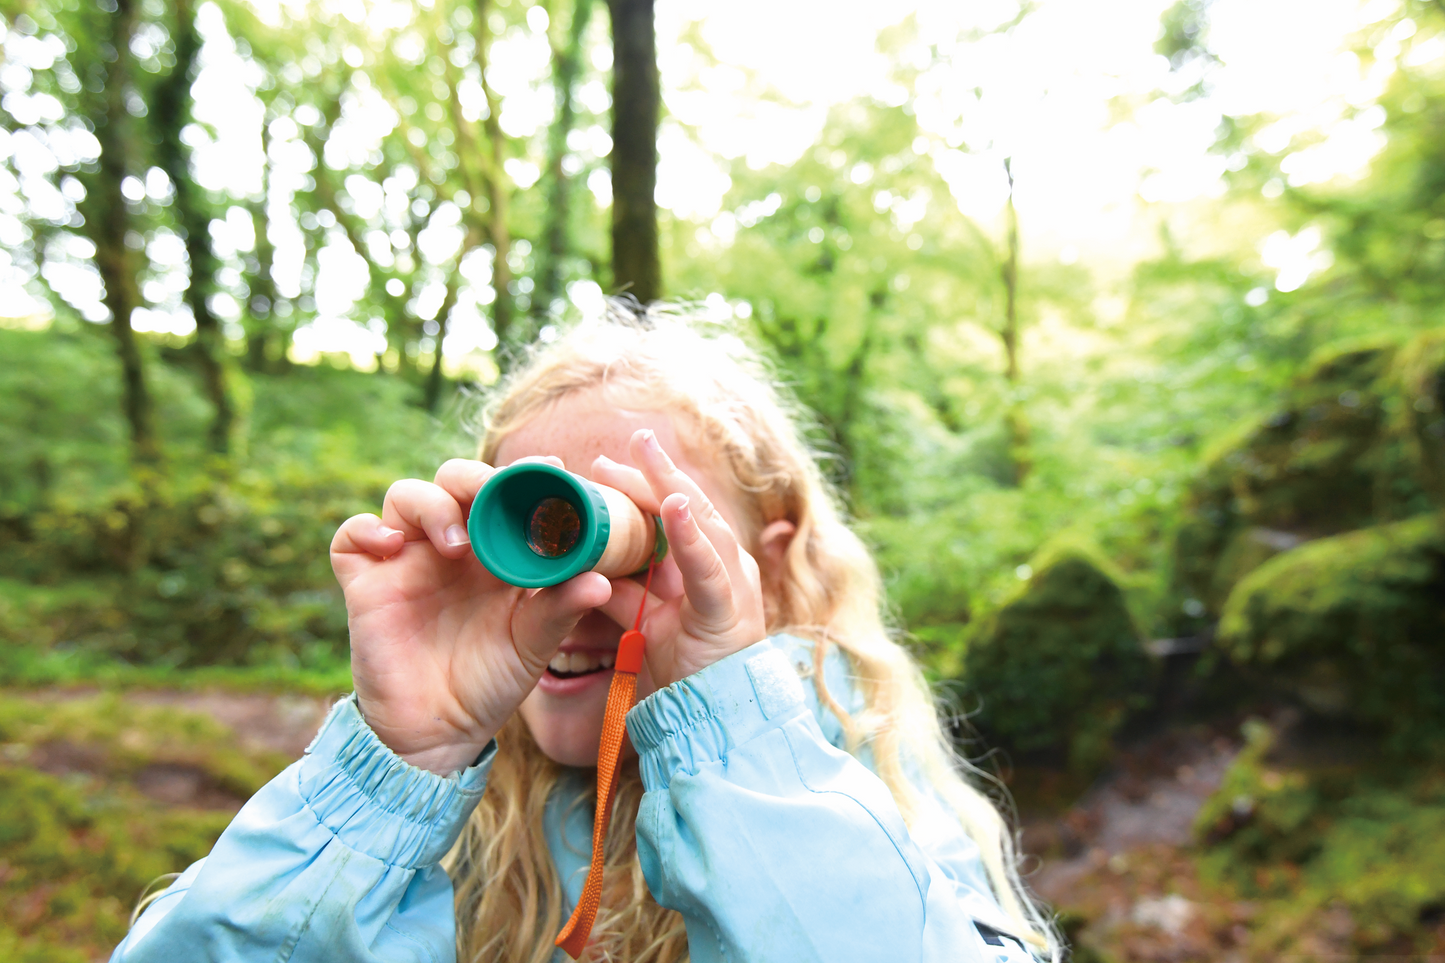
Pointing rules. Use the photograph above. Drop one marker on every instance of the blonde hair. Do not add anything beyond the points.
(508, 896)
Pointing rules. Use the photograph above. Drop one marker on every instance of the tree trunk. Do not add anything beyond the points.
(107, 222)
(566, 65)
(266, 341)
(498, 233)
(435, 378)
(636, 98)
(171, 110)
(1015, 419)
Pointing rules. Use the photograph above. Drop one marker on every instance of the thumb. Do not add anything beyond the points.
(542, 621)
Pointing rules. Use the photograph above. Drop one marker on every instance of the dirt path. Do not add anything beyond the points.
(282, 723)
(273, 727)
(1120, 861)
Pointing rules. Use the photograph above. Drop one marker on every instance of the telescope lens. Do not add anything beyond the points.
(553, 528)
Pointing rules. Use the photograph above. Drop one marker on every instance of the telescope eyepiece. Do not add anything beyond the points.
(534, 524)
(553, 527)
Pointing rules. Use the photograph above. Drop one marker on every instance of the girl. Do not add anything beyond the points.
(791, 796)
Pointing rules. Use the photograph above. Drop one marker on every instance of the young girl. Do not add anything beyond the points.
(791, 796)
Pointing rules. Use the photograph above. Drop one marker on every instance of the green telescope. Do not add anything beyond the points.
(533, 524)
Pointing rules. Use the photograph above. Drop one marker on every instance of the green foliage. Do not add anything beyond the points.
(1306, 838)
(210, 565)
(1059, 666)
(1352, 625)
(1350, 442)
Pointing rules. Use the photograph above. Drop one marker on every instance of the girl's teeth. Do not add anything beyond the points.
(573, 663)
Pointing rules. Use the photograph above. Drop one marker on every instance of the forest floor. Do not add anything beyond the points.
(144, 779)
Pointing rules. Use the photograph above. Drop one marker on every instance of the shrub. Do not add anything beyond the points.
(209, 561)
(1059, 666)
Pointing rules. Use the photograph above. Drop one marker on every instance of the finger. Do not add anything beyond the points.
(543, 620)
(423, 510)
(665, 478)
(627, 595)
(704, 576)
(361, 539)
(629, 481)
(462, 478)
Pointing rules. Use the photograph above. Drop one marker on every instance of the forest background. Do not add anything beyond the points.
(1135, 382)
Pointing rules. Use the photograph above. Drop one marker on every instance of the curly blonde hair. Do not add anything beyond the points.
(508, 897)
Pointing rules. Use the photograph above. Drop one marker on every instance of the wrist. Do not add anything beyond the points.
(442, 753)
(444, 760)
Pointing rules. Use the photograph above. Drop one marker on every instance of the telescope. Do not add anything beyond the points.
(533, 524)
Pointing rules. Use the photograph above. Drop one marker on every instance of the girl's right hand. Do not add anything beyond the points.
(442, 652)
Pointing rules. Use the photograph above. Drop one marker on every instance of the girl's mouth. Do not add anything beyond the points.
(572, 665)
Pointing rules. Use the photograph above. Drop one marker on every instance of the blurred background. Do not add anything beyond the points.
(1121, 323)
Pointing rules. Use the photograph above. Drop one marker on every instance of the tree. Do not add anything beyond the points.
(498, 232)
(104, 62)
(566, 66)
(171, 111)
(1018, 426)
(636, 98)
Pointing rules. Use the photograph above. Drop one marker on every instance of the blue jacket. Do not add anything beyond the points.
(772, 842)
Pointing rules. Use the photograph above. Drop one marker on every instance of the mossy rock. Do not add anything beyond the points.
(1060, 666)
(1352, 625)
(1418, 422)
(1358, 439)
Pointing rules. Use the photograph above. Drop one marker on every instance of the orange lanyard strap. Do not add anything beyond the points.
(620, 695)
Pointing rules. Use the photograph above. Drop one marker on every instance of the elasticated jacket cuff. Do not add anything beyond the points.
(380, 805)
(696, 720)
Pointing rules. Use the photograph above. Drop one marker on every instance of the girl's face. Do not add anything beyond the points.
(564, 713)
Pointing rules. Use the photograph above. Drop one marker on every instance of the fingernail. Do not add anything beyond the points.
(456, 535)
(649, 439)
(388, 532)
(605, 460)
(684, 514)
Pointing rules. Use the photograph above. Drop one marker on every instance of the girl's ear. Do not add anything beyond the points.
(773, 542)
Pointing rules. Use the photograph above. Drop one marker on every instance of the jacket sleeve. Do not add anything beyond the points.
(335, 859)
(774, 844)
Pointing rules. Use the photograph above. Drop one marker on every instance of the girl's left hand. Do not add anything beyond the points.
(721, 610)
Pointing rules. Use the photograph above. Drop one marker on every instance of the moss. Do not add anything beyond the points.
(79, 857)
(1059, 666)
(1246, 550)
(1352, 624)
(125, 738)
(80, 843)
(1338, 453)
(1418, 422)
